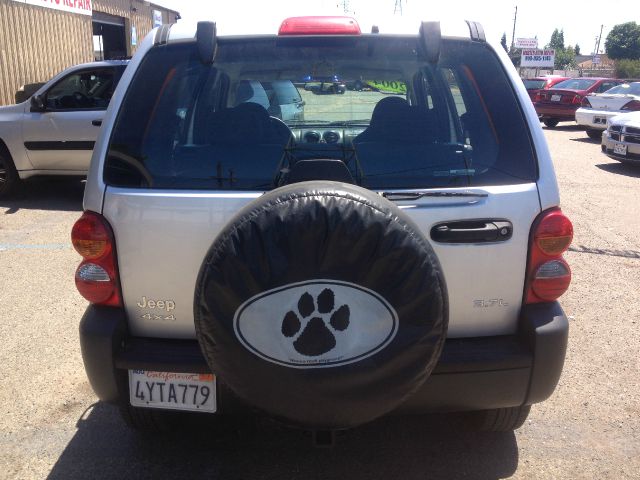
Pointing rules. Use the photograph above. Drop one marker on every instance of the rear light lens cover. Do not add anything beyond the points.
(633, 106)
(585, 103)
(319, 26)
(548, 274)
(577, 100)
(554, 233)
(551, 280)
(97, 276)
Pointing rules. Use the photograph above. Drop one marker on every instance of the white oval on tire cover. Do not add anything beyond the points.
(371, 324)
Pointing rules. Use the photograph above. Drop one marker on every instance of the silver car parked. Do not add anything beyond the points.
(53, 132)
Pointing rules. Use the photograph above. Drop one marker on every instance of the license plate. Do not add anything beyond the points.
(600, 120)
(620, 149)
(556, 98)
(174, 391)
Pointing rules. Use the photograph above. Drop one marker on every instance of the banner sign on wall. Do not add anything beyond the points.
(526, 43)
(157, 18)
(538, 58)
(83, 7)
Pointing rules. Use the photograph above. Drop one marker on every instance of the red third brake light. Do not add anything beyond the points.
(97, 275)
(548, 274)
(319, 26)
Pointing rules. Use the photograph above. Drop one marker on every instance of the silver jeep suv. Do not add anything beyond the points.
(395, 250)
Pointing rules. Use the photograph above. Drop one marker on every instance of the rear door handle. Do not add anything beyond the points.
(472, 231)
(96, 123)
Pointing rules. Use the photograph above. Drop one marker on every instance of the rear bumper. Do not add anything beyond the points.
(558, 112)
(472, 373)
(595, 119)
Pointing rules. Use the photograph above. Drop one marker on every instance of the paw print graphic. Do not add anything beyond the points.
(312, 328)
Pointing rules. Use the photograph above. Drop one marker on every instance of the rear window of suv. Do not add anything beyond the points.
(393, 119)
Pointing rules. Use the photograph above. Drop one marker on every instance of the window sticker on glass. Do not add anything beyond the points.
(386, 86)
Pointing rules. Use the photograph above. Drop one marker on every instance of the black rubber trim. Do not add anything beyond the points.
(162, 355)
(471, 374)
(50, 145)
(102, 332)
(545, 328)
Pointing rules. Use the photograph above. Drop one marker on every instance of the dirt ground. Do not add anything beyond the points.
(52, 427)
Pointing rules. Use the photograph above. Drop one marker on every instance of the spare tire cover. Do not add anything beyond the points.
(322, 304)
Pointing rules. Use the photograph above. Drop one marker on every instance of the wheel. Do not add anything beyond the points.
(322, 305)
(550, 122)
(9, 179)
(595, 134)
(497, 420)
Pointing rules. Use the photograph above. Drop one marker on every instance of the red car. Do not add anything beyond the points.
(559, 104)
(535, 85)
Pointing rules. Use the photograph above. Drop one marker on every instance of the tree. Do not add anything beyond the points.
(503, 42)
(577, 49)
(626, 68)
(623, 41)
(565, 59)
(557, 40)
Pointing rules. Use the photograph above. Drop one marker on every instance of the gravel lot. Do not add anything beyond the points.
(51, 426)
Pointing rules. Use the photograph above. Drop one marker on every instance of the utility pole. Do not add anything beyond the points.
(513, 36)
(599, 38)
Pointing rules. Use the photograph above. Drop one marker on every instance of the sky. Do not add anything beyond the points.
(580, 20)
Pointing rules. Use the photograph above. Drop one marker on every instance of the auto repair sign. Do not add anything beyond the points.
(83, 7)
(538, 58)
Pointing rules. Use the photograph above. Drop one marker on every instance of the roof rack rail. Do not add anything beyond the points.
(476, 30)
(162, 34)
(206, 39)
(431, 38)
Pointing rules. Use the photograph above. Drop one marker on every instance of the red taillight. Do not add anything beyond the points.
(537, 97)
(97, 276)
(319, 26)
(585, 103)
(633, 106)
(548, 275)
(577, 100)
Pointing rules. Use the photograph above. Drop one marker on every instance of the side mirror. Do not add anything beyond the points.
(37, 103)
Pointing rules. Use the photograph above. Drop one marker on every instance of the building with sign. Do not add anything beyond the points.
(39, 38)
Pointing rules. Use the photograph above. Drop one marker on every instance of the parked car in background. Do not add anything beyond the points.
(54, 131)
(621, 139)
(535, 85)
(325, 85)
(559, 104)
(597, 108)
(279, 97)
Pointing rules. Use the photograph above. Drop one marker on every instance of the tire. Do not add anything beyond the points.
(594, 134)
(497, 420)
(322, 305)
(550, 122)
(9, 179)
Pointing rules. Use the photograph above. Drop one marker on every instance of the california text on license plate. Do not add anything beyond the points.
(175, 391)
(620, 149)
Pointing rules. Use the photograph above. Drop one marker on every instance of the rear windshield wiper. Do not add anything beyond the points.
(416, 195)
